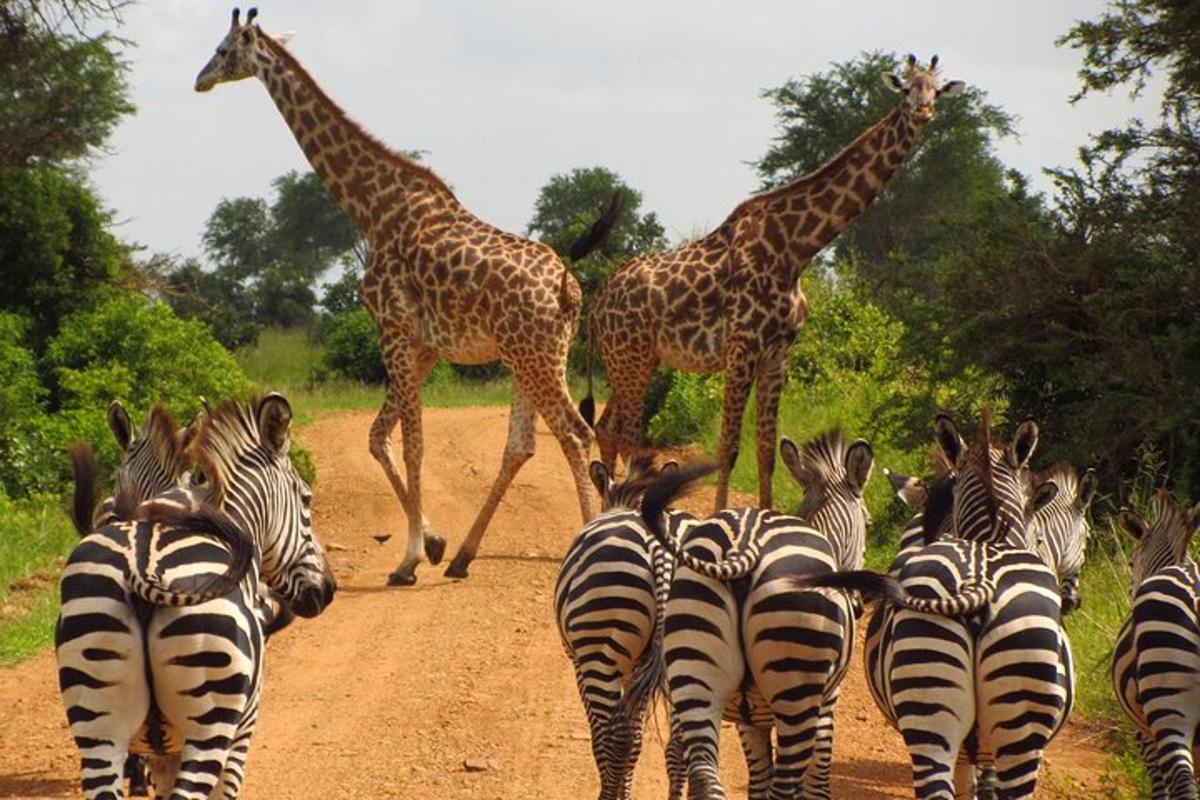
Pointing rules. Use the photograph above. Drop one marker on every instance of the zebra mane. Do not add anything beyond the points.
(824, 456)
(627, 494)
(225, 432)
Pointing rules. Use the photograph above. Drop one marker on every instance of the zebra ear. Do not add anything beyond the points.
(859, 461)
(1087, 489)
(911, 491)
(791, 460)
(668, 467)
(600, 478)
(1042, 496)
(948, 438)
(1132, 523)
(120, 424)
(275, 421)
(1024, 443)
(165, 440)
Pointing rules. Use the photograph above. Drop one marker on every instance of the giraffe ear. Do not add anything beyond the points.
(893, 81)
(283, 37)
(951, 88)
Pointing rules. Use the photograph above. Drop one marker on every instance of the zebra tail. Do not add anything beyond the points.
(202, 520)
(662, 493)
(83, 502)
(970, 599)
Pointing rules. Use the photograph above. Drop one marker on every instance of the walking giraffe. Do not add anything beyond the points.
(732, 301)
(439, 282)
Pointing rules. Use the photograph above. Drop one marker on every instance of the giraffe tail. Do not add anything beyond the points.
(598, 232)
(587, 406)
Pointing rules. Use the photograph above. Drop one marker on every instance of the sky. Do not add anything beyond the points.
(503, 95)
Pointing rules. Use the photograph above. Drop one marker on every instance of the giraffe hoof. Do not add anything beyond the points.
(458, 567)
(405, 576)
(435, 548)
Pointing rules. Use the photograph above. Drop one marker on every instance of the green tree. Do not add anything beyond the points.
(568, 205)
(308, 227)
(61, 93)
(222, 303)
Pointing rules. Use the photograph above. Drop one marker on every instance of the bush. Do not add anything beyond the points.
(352, 347)
(689, 406)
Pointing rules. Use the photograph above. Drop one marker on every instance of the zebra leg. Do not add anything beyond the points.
(230, 785)
(200, 770)
(770, 385)
(676, 764)
(1175, 762)
(163, 770)
(760, 760)
(966, 784)
(986, 783)
(522, 419)
(598, 689)
(1158, 787)
(817, 776)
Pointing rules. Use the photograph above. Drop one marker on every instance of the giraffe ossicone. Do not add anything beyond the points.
(439, 282)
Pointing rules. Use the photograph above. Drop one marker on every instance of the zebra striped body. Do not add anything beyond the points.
(1156, 660)
(1060, 528)
(159, 641)
(608, 602)
(992, 685)
(742, 644)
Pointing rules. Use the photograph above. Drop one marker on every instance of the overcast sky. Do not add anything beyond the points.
(504, 94)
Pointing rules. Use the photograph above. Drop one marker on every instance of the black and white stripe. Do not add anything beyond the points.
(743, 644)
(608, 601)
(988, 686)
(1060, 528)
(181, 682)
(1156, 661)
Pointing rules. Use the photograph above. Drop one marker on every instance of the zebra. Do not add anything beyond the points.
(1060, 528)
(1157, 654)
(983, 674)
(159, 641)
(608, 602)
(741, 644)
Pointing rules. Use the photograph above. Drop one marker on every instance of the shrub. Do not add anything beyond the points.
(689, 406)
(352, 347)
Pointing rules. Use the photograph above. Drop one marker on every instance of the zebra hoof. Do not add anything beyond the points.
(458, 567)
(435, 548)
(405, 576)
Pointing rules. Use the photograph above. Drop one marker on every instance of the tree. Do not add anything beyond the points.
(951, 169)
(61, 93)
(212, 297)
(309, 226)
(568, 205)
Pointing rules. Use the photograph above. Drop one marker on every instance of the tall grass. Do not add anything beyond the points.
(34, 533)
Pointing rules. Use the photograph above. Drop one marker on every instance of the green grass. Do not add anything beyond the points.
(34, 534)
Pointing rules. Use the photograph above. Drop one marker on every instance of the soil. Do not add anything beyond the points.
(449, 688)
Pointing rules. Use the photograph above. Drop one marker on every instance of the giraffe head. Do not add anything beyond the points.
(239, 53)
(922, 88)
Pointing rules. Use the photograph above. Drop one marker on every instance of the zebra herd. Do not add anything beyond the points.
(749, 617)
(205, 547)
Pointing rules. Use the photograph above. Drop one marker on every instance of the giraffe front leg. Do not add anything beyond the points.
(770, 386)
(407, 366)
(739, 377)
(517, 451)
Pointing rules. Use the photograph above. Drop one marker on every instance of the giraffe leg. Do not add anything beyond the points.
(517, 451)
(739, 377)
(405, 373)
(607, 430)
(770, 386)
(630, 371)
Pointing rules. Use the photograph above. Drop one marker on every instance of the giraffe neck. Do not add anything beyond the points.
(371, 182)
(804, 216)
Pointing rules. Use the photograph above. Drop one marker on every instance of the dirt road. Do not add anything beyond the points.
(391, 690)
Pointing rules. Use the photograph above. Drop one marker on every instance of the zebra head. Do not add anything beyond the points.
(626, 495)
(243, 449)
(1162, 542)
(992, 497)
(1059, 530)
(153, 460)
(833, 477)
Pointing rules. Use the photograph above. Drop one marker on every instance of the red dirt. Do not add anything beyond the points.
(391, 690)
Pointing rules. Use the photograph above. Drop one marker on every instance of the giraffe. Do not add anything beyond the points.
(438, 282)
(732, 300)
